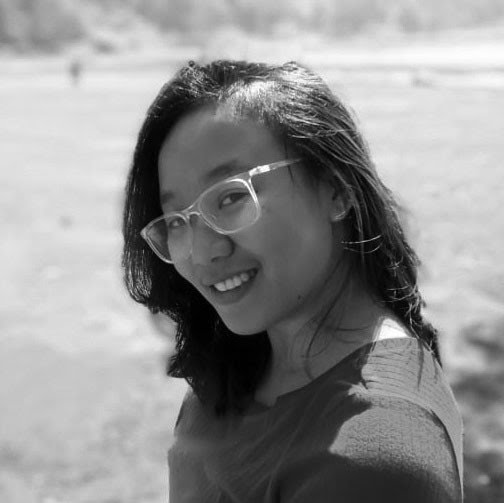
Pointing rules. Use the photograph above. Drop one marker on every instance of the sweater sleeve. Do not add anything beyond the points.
(389, 451)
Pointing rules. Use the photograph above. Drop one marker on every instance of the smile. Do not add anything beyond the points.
(235, 281)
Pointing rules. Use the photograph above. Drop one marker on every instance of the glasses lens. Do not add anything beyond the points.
(230, 206)
(170, 237)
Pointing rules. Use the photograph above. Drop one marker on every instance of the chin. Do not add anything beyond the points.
(242, 328)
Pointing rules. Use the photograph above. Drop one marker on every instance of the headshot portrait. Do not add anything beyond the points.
(252, 251)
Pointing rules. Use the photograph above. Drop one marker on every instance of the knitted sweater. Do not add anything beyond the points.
(380, 426)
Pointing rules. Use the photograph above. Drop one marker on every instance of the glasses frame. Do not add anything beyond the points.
(195, 208)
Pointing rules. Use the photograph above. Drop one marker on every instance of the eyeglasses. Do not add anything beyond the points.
(227, 207)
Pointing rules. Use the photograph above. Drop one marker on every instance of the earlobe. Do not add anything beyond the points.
(339, 207)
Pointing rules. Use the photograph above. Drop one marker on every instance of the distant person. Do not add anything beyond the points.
(255, 219)
(75, 69)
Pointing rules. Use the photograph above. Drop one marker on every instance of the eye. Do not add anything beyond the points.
(232, 197)
(175, 223)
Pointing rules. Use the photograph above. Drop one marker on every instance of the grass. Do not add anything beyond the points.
(88, 413)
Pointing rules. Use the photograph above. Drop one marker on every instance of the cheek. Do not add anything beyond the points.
(291, 244)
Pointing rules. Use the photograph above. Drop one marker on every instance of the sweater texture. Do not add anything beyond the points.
(382, 425)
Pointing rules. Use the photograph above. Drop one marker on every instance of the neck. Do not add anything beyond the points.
(307, 347)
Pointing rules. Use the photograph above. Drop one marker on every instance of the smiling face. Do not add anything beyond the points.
(272, 274)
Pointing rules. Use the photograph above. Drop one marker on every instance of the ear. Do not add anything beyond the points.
(340, 205)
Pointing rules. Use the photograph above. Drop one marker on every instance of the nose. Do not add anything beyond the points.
(207, 244)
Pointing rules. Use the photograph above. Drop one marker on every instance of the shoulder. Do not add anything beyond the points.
(396, 431)
(394, 436)
(401, 368)
(385, 449)
(404, 379)
(192, 411)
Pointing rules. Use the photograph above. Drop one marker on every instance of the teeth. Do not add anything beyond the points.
(234, 282)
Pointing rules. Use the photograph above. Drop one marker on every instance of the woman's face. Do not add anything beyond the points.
(284, 259)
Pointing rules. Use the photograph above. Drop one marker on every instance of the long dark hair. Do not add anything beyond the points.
(296, 105)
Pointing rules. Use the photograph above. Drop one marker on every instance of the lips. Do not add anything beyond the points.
(229, 279)
(232, 288)
(235, 281)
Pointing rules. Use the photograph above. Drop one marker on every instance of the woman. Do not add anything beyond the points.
(255, 219)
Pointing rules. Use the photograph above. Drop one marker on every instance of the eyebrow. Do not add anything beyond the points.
(221, 171)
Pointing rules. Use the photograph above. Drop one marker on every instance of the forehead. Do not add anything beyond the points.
(204, 144)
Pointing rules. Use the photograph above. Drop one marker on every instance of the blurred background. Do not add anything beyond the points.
(87, 412)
